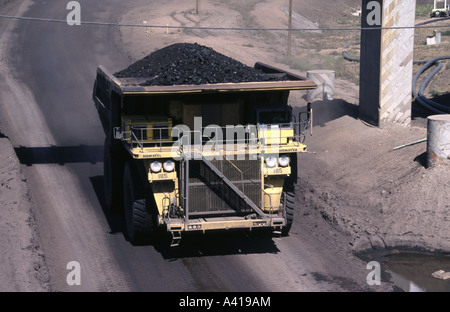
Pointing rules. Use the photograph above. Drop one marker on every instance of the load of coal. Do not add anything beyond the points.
(191, 64)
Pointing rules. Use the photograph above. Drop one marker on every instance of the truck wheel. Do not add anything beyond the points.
(138, 207)
(112, 177)
(288, 198)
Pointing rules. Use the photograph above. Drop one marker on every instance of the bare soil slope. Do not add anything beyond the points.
(381, 197)
(22, 265)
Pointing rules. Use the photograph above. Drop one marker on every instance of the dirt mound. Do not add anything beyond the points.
(194, 64)
(382, 198)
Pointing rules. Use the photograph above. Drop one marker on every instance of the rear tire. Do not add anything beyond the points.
(138, 207)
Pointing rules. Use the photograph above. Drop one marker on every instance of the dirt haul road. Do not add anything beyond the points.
(48, 70)
(47, 73)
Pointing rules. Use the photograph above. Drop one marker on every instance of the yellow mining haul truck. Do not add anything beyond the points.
(189, 158)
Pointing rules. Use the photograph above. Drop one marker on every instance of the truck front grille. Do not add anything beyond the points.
(208, 195)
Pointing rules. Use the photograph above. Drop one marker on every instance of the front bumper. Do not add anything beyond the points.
(224, 223)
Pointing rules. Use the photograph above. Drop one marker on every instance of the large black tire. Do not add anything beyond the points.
(138, 207)
(113, 179)
(288, 199)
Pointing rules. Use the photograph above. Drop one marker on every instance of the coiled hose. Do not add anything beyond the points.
(420, 97)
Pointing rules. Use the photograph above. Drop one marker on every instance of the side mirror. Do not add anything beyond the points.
(117, 133)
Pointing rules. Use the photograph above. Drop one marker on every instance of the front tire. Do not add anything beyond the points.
(112, 179)
(138, 208)
(288, 199)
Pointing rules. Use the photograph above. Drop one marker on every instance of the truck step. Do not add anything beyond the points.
(277, 231)
(176, 238)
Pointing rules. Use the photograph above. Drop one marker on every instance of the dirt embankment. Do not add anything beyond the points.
(381, 197)
(22, 264)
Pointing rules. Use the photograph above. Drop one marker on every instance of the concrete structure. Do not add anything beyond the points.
(386, 61)
(436, 39)
(438, 140)
(325, 85)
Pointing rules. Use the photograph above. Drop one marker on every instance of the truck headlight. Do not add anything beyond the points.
(155, 166)
(169, 166)
(271, 161)
(283, 161)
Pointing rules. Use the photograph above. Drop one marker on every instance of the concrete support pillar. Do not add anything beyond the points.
(438, 140)
(386, 70)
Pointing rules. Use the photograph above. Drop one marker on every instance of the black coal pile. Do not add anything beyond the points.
(191, 64)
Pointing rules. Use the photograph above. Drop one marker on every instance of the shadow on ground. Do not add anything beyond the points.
(419, 113)
(59, 154)
(326, 111)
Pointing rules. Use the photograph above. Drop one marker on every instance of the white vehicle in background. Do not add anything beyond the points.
(441, 9)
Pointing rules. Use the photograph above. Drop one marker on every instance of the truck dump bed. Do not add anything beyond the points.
(136, 85)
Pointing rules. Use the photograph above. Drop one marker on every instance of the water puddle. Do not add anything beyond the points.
(411, 272)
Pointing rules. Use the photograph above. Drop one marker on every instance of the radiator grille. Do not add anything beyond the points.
(209, 195)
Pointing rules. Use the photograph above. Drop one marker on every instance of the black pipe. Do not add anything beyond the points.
(420, 97)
